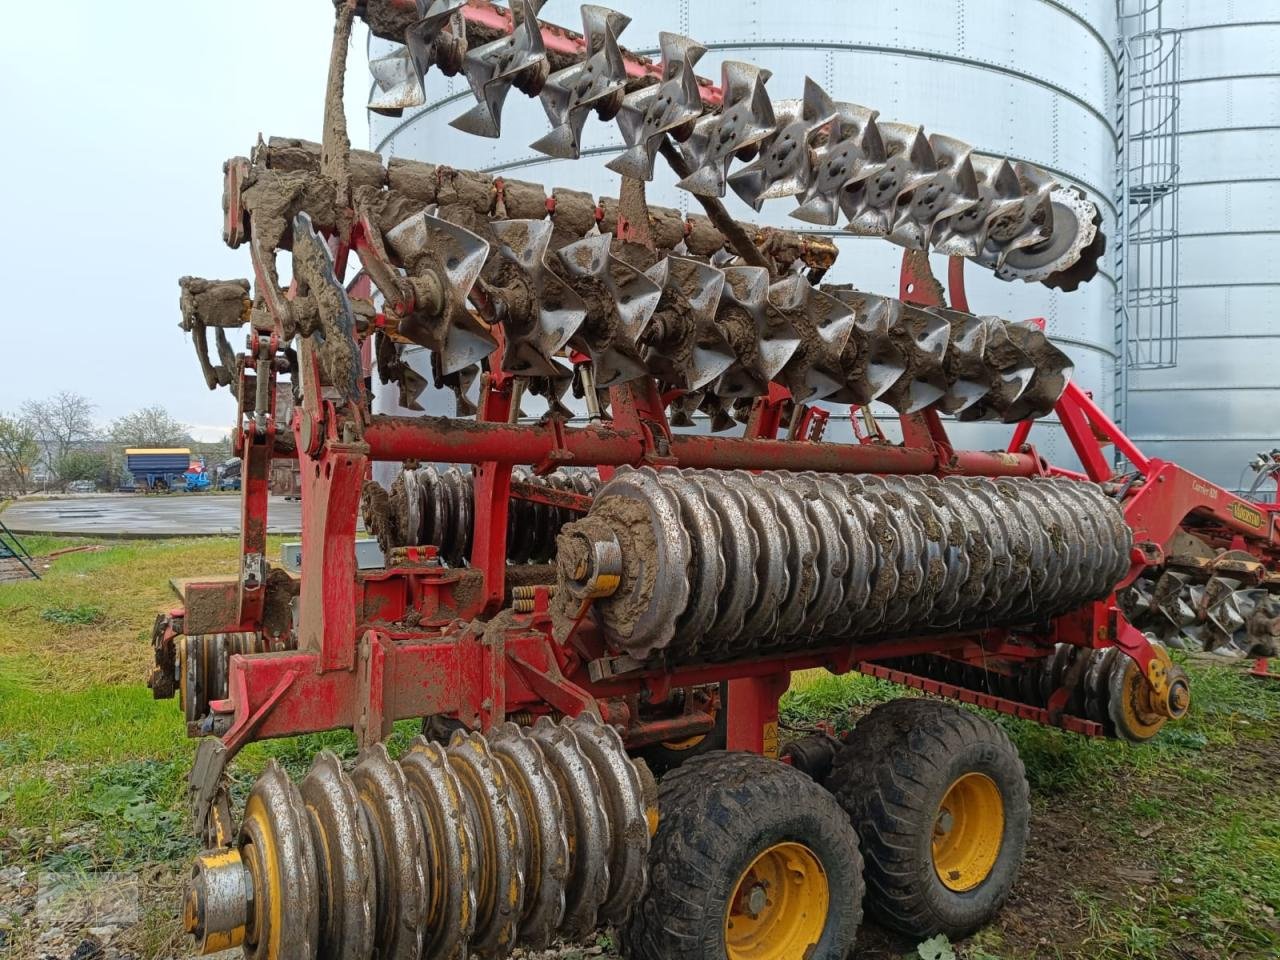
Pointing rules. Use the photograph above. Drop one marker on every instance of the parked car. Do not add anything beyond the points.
(82, 486)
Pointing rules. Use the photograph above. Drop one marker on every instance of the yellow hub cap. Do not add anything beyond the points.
(967, 832)
(779, 907)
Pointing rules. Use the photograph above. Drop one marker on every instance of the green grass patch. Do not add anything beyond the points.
(89, 619)
(42, 544)
(817, 696)
(82, 613)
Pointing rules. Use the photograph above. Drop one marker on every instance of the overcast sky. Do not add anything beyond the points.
(116, 120)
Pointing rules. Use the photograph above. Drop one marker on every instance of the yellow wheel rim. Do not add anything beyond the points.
(967, 832)
(686, 744)
(779, 906)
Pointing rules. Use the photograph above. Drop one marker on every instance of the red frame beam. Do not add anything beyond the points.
(440, 439)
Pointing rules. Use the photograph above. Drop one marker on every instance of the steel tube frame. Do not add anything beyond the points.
(439, 439)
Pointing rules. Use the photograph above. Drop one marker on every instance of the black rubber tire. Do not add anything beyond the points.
(719, 811)
(438, 728)
(662, 758)
(891, 776)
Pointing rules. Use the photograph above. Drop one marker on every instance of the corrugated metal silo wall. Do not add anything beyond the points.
(1030, 79)
(1216, 407)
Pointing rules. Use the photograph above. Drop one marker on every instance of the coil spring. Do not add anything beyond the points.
(524, 597)
(729, 564)
(466, 850)
(437, 508)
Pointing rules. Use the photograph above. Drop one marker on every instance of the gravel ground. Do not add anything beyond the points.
(72, 915)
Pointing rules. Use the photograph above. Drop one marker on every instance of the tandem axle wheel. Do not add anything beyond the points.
(939, 798)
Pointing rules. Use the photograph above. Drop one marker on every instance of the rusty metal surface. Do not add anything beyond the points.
(981, 698)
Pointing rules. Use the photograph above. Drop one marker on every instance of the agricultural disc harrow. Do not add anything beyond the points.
(558, 600)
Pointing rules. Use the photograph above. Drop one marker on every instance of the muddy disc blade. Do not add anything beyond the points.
(784, 167)
(743, 121)
(683, 345)
(456, 256)
(1052, 370)
(313, 268)
(824, 324)
(493, 68)
(969, 378)
(400, 77)
(922, 337)
(619, 301)
(572, 93)
(763, 340)
(1010, 371)
(872, 360)
(1075, 225)
(539, 311)
(853, 148)
(649, 114)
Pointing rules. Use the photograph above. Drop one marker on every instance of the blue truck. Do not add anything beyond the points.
(166, 468)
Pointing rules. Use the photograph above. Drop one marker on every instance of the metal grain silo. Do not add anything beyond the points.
(1206, 395)
(1029, 79)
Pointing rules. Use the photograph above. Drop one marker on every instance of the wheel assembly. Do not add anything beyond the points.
(752, 861)
(968, 831)
(942, 856)
(779, 905)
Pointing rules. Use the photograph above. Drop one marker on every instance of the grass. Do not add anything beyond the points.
(92, 768)
(81, 739)
(92, 777)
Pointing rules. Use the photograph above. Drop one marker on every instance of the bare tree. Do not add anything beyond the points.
(19, 453)
(214, 451)
(150, 427)
(60, 422)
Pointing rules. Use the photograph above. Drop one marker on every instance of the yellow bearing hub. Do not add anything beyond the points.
(779, 907)
(967, 832)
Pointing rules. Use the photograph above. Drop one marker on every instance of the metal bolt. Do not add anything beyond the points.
(942, 826)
